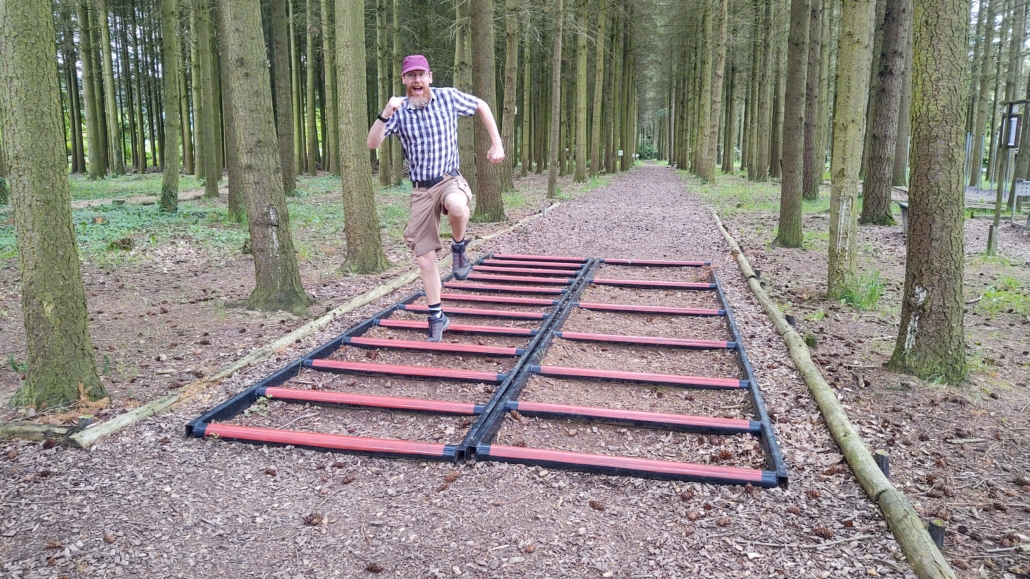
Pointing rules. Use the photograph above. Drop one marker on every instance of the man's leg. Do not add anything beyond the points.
(438, 322)
(457, 204)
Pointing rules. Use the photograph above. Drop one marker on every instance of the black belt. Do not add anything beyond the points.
(433, 182)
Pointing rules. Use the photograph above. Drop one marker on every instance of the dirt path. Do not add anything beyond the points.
(148, 502)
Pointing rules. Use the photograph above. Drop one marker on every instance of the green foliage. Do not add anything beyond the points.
(5, 191)
(864, 294)
(16, 365)
(647, 150)
(259, 407)
(816, 315)
(1008, 295)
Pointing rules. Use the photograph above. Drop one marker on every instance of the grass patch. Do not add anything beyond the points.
(122, 186)
(1007, 296)
(865, 293)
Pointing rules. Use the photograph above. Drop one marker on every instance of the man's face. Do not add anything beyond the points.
(417, 84)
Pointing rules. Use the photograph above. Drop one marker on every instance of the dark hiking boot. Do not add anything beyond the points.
(437, 324)
(460, 265)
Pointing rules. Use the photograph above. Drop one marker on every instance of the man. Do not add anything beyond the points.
(426, 121)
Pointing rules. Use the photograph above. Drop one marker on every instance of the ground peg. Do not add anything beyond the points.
(936, 530)
(883, 460)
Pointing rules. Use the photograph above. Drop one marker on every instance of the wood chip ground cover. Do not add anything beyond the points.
(148, 502)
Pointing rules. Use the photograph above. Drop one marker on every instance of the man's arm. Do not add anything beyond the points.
(377, 133)
(496, 152)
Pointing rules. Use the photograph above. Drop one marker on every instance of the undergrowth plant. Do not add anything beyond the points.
(1007, 296)
(865, 293)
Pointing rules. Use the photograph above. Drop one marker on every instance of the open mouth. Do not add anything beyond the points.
(417, 90)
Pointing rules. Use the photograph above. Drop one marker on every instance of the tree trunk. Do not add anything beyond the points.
(874, 81)
(721, 16)
(299, 143)
(1015, 71)
(776, 134)
(311, 70)
(114, 122)
(184, 119)
(170, 75)
(757, 90)
(900, 171)
(599, 53)
(395, 79)
(827, 88)
(212, 165)
(489, 203)
(61, 360)
(98, 85)
(78, 153)
(702, 151)
(527, 105)
(361, 221)
(283, 93)
(331, 133)
(799, 60)
(982, 100)
(848, 127)
(580, 172)
(552, 161)
(383, 67)
(196, 82)
(511, 81)
(95, 166)
(813, 159)
(729, 141)
(278, 285)
(876, 190)
(236, 203)
(463, 82)
(931, 336)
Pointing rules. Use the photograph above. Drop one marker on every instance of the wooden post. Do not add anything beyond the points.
(936, 529)
(883, 460)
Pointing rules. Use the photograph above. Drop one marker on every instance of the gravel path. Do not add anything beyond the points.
(148, 502)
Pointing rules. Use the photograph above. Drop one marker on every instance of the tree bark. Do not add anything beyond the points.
(765, 102)
(299, 143)
(463, 82)
(196, 82)
(813, 160)
(311, 70)
(184, 119)
(383, 67)
(212, 165)
(527, 104)
(511, 80)
(848, 131)
(61, 361)
(489, 203)
(116, 154)
(876, 202)
(278, 285)
(331, 133)
(704, 166)
(900, 170)
(799, 57)
(395, 79)
(776, 134)
(827, 88)
(236, 203)
(580, 174)
(170, 75)
(982, 100)
(284, 105)
(931, 335)
(599, 58)
(95, 166)
(361, 221)
(552, 161)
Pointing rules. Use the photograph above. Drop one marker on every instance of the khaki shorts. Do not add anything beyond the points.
(423, 231)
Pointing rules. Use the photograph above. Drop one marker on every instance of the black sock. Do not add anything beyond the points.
(459, 244)
(435, 310)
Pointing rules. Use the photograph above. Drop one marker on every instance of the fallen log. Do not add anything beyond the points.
(923, 555)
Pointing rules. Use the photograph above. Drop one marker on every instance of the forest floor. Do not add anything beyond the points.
(149, 502)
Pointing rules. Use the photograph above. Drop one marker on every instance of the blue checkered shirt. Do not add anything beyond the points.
(430, 135)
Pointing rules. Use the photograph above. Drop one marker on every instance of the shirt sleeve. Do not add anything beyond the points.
(465, 104)
(393, 124)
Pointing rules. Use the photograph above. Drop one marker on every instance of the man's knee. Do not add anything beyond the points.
(457, 204)
(426, 259)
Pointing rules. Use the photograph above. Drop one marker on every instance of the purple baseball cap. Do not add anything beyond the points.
(414, 62)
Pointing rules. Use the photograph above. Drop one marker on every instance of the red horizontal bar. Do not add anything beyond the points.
(478, 312)
(518, 278)
(635, 416)
(684, 469)
(629, 308)
(497, 300)
(544, 264)
(538, 257)
(639, 377)
(419, 371)
(524, 270)
(504, 288)
(655, 262)
(334, 441)
(417, 325)
(391, 402)
(433, 346)
(656, 284)
(647, 340)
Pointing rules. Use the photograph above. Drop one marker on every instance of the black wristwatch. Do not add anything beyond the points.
(381, 118)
